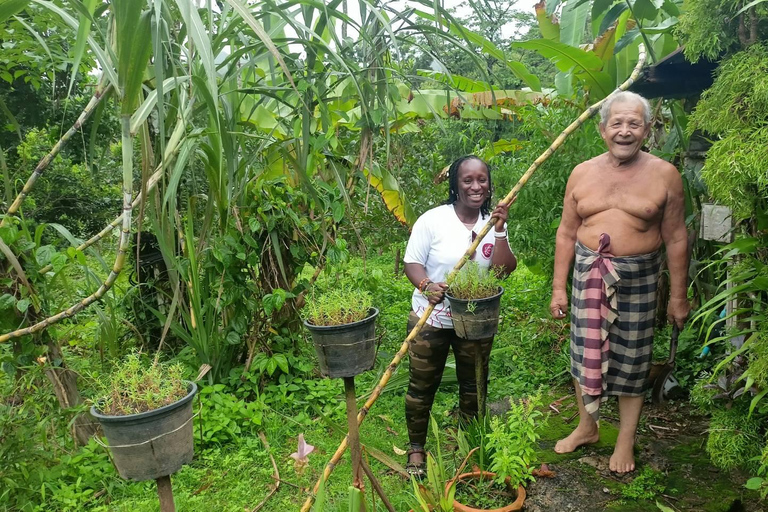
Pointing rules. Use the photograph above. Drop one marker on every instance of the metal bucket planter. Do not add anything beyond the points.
(476, 319)
(152, 444)
(487, 475)
(345, 350)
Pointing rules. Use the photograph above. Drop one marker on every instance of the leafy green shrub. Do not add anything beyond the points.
(646, 486)
(734, 110)
(708, 27)
(734, 438)
(224, 417)
(134, 388)
(513, 441)
(474, 282)
(339, 306)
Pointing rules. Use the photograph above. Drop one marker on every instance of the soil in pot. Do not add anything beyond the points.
(477, 492)
(484, 494)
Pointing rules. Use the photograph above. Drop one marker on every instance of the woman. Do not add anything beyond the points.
(439, 239)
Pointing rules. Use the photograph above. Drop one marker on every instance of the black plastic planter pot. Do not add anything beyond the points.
(151, 444)
(345, 350)
(476, 319)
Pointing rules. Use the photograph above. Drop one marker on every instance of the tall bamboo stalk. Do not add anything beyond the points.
(98, 95)
(509, 199)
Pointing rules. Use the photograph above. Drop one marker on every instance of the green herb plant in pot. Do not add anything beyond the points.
(342, 322)
(474, 294)
(146, 416)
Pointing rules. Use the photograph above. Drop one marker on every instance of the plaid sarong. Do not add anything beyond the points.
(613, 310)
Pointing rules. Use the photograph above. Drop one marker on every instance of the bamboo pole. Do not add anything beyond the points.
(98, 95)
(171, 148)
(123, 220)
(509, 199)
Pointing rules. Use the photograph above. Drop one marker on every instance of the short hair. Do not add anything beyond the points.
(453, 183)
(625, 97)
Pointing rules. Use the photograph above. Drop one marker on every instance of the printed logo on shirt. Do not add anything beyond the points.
(487, 250)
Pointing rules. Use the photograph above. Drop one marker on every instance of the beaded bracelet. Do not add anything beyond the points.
(424, 284)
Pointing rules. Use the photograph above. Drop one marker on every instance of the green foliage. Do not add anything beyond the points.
(733, 109)
(760, 482)
(83, 199)
(133, 387)
(708, 28)
(645, 486)
(225, 418)
(338, 307)
(474, 282)
(432, 496)
(513, 440)
(734, 438)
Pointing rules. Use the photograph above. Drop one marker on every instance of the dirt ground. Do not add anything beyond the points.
(671, 441)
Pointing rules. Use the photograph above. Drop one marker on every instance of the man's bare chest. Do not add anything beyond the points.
(638, 196)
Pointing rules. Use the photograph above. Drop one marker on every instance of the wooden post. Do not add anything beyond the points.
(354, 435)
(165, 494)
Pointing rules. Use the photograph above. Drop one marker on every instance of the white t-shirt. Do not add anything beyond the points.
(438, 240)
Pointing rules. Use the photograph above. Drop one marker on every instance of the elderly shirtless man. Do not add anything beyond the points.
(618, 209)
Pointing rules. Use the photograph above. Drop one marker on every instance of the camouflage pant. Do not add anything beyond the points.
(428, 353)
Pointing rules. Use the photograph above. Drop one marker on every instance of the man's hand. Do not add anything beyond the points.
(559, 304)
(435, 292)
(678, 311)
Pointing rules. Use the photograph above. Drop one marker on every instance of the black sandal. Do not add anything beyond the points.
(417, 469)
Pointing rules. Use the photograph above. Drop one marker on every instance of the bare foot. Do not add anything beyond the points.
(623, 458)
(579, 437)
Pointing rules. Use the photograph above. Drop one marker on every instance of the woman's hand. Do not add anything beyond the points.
(500, 212)
(435, 292)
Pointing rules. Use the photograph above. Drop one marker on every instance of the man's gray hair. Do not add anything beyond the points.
(625, 97)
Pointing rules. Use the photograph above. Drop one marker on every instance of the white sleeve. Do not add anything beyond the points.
(419, 243)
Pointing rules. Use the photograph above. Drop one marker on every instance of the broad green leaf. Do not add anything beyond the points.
(562, 55)
(664, 26)
(754, 483)
(148, 105)
(549, 29)
(10, 7)
(572, 22)
(202, 42)
(611, 17)
(646, 9)
(83, 31)
(564, 84)
(663, 508)
(599, 7)
(626, 40)
(671, 8)
(521, 72)
(551, 6)
(458, 82)
(105, 62)
(133, 45)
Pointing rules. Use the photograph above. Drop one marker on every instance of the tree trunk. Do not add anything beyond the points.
(64, 383)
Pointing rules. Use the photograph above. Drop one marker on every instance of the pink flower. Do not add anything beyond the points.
(300, 456)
